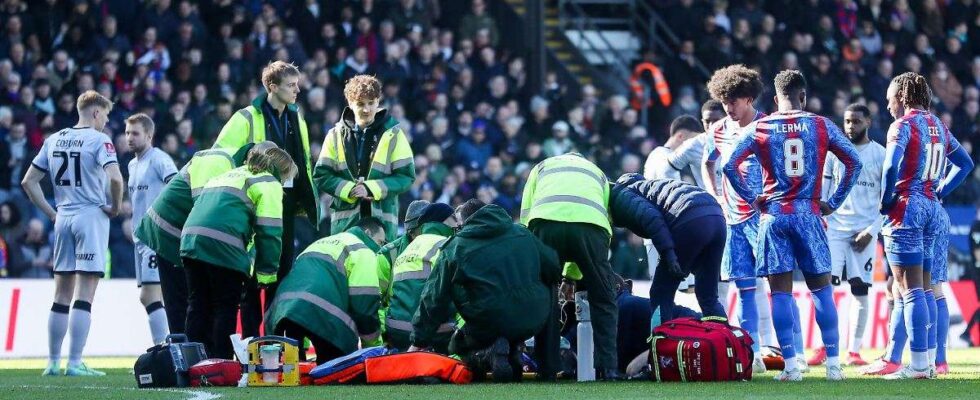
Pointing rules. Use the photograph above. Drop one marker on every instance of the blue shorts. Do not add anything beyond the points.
(910, 230)
(791, 241)
(940, 247)
(738, 260)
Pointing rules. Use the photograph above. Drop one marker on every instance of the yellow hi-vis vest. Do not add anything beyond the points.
(567, 188)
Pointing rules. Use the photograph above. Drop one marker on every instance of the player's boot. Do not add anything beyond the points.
(942, 369)
(51, 371)
(804, 368)
(881, 366)
(789, 376)
(500, 364)
(819, 357)
(909, 373)
(835, 373)
(758, 365)
(854, 359)
(82, 370)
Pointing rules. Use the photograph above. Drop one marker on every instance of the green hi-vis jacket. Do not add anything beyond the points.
(498, 276)
(391, 172)
(248, 126)
(567, 188)
(160, 227)
(233, 209)
(332, 291)
(409, 274)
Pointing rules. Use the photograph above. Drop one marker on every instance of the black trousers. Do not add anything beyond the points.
(252, 311)
(212, 305)
(173, 284)
(476, 336)
(699, 244)
(325, 351)
(587, 246)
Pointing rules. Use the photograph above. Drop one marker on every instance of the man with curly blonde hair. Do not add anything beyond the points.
(366, 161)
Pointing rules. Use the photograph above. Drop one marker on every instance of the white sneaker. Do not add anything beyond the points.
(758, 366)
(789, 376)
(909, 373)
(804, 368)
(835, 373)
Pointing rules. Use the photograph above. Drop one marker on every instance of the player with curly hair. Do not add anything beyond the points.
(736, 87)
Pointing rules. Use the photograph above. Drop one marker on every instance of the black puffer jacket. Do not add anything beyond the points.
(652, 208)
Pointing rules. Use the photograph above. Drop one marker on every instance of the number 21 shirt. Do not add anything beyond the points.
(75, 159)
(792, 148)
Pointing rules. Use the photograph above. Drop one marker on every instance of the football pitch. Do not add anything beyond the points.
(20, 379)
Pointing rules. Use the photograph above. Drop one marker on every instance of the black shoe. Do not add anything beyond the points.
(609, 375)
(966, 338)
(501, 368)
(516, 365)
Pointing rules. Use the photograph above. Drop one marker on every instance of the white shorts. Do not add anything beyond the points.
(81, 242)
(147, 266)
(847, 263)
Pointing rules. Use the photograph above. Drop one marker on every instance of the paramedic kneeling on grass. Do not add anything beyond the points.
(501, 279)
(331, 296)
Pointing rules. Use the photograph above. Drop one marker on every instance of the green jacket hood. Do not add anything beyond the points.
(382, 120)
(258, 100)
(489, 221)
(437, 228)
(365, 238)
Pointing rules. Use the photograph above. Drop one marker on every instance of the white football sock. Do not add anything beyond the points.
(80, 322)
(57, 328)
(859, 320)
(159, 329)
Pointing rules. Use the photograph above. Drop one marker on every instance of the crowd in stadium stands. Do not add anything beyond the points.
(476, 127)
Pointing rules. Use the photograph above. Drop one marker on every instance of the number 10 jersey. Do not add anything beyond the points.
(75, 159)
(923, 142)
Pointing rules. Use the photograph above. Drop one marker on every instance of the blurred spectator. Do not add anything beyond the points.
(457, 89)
(31, 254)
(478, 20)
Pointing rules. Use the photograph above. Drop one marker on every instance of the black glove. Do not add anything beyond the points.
(673, 267)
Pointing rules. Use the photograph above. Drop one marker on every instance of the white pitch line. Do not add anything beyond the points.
(195, 395)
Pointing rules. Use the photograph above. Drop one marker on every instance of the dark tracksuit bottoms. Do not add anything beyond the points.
(699, 244)
(587, 245)
(212, 301)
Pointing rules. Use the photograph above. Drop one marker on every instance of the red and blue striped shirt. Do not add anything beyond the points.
(791, 147)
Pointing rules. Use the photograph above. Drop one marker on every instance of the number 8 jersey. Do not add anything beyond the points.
(922, 142)
(792, 147)
(75, 159)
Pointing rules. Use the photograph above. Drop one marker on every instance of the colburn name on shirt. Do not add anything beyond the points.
(69, 143)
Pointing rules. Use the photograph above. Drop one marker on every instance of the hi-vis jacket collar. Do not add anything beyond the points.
(258, 100)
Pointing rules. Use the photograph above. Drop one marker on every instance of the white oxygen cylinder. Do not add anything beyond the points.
(585, 348)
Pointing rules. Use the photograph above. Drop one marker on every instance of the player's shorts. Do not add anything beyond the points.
(847, 263)
(147, 265)
(81, 241)
(910, 230)
(791, 241)
(738, 260)
(940, 248)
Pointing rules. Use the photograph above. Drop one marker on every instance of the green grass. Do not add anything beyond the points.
(20, 379)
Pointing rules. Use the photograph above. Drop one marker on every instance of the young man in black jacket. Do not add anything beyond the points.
(686, 226)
